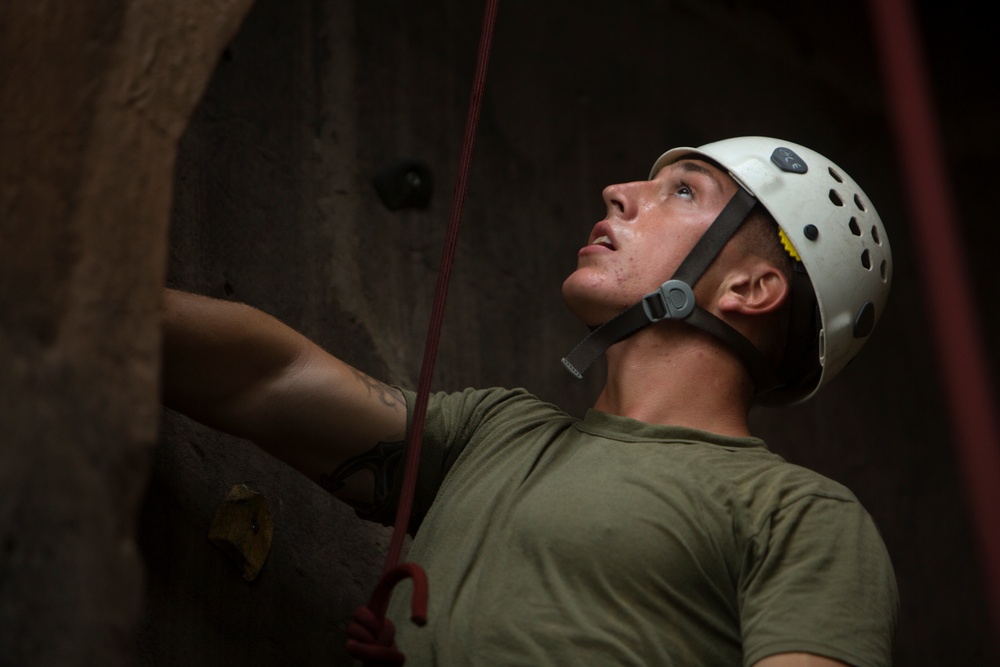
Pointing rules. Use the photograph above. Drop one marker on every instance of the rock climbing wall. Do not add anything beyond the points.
(273, 204)
(93, 99)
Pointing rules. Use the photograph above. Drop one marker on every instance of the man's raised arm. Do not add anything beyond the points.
(241, 371)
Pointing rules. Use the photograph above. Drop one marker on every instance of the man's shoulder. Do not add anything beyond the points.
(796, 481)
(759, 487)
(777, 484)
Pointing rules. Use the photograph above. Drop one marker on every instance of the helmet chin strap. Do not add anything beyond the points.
(675, 300)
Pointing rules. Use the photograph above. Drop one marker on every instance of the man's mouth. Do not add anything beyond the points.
(603, 241)
(601, 236)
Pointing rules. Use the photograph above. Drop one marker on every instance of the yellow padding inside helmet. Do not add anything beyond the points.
(787, 244)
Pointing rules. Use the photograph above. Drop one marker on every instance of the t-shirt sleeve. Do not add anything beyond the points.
(451, 421)
(817, 579)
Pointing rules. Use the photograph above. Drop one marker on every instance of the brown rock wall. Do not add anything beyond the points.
(93, 98)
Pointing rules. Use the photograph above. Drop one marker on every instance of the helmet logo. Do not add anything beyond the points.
(787, 160)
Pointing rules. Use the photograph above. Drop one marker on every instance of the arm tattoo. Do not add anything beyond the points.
(388, 396)
(382, 461)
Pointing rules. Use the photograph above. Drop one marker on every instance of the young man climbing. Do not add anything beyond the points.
(655, 530)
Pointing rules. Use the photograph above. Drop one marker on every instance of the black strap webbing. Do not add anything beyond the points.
(689, 272)
(757, 365)
(593, 346)
(715, 237)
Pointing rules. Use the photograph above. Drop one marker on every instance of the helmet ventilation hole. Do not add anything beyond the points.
(835, 198)
(855, 229)
(875, 235)
(866, 260)
(860, 204)
(837, 177)
(881, 270)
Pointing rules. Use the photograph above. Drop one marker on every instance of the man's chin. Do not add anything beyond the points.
(573, 296)
(584, 307)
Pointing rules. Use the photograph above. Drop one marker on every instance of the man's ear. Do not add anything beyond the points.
(755, 288)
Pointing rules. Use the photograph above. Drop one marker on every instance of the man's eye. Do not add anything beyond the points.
(684, 192)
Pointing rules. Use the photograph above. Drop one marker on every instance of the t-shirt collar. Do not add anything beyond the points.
(625, 429)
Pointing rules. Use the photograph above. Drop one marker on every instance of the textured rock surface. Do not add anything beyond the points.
(93, 99)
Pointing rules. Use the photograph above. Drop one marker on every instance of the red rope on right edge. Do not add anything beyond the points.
(371, 633)
(961, 350)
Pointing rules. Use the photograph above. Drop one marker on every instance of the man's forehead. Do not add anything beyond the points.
(696, 165)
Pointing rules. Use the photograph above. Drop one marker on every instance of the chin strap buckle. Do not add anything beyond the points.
(674, 300)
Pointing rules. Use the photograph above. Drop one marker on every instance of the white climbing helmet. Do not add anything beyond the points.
(834, 229)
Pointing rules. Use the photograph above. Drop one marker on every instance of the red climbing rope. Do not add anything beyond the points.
(371, 633)
(960, 347)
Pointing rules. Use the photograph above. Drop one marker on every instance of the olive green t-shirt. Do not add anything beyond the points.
(550, 540)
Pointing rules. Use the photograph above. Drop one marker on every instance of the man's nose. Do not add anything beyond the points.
(620, 200)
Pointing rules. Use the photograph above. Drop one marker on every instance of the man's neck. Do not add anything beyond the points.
(678, 376)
